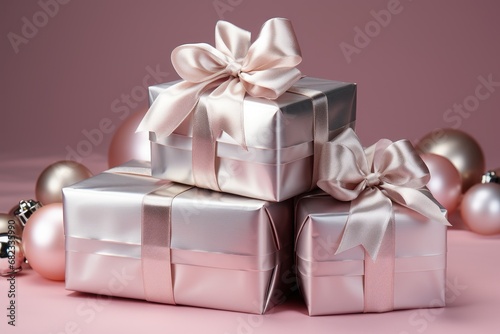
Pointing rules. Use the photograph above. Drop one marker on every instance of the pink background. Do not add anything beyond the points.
(65, 78)
(72, 73)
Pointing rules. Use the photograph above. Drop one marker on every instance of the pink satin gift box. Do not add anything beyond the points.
(131, 235)
(334, 284)
(281, 136)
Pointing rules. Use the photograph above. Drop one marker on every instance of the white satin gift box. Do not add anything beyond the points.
(334, 284)
(281, 136)
(131, 235)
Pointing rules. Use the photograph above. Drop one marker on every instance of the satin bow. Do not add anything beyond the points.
(372, 179)
(235, 67)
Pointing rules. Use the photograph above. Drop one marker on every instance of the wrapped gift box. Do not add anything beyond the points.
(281, 136)
(334, 284)
(131, 235)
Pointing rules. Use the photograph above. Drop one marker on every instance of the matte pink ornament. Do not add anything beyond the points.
(480, 208)
(127, 144)
(445, 183)
(43, 242)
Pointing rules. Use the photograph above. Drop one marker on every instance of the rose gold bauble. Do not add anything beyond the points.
(43, 242)
(57, 176)
(461, 149)
(127, 144)
(480, 208)
(445, 183)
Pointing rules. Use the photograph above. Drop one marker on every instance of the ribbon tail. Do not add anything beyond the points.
(225, 111)
(368, 219)
(417, 201)
(172, 106)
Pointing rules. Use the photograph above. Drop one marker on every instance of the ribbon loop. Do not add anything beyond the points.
(373, 179)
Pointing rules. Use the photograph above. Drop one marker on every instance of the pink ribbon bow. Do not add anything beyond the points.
(372, 179)
(235, 67)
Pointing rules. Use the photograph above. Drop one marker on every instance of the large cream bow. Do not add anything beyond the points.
(372, 179)
(233, 68)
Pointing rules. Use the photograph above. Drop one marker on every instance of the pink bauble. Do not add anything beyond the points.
(127, 144)
(480, 208)
(445, 183)
(43, 242)
(461, 149)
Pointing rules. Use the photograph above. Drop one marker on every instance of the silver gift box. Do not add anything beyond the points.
(224, 251)
(333, 284)
(279, 134)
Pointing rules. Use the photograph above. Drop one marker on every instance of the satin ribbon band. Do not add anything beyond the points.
(155, 236)
(204, 149)
(321, 128)
(204, 146)
(379, 275)
(181, 256)
(352, 268)
(155, 245)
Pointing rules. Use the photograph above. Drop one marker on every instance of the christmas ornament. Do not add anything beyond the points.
(57, 176)
(25, 209)
(127, 144)
(480, 208)
(461, 149)
(43, 241)
(11, 253)
(490, 176)
(445, 183)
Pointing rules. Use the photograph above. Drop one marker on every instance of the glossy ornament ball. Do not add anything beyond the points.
(480, 208)
(11, 253)
(43, 242)
(445, 183)
(10, 225)
(461, 149)
(127, 144)
(57, 176)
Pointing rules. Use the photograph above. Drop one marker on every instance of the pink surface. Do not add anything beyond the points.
(473, 299)
(85, 67)
(44, 306)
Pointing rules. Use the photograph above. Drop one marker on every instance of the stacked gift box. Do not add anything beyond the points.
(228, 213)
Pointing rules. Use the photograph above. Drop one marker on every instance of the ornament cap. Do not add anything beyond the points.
(26, 209)
(490, 177)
